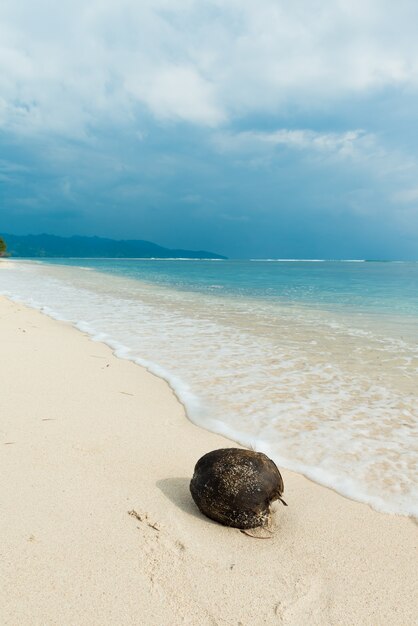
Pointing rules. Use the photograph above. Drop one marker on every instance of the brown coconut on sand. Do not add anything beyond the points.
(236, 487)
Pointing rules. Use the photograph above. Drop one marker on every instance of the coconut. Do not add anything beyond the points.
(236, 487)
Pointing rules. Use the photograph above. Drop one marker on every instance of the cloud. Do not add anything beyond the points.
(354, 172)
(178, 92)
(352, 149)
(11, 173)
(406, 196)
(218, 116)
(342, 144)
(68, 67)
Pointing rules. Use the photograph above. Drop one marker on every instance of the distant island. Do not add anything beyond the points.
(50, 246)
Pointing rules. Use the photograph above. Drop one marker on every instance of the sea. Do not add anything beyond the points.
(313, 362)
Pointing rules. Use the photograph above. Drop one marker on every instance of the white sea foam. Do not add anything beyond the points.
(314, 260)
(325, 395)
(174, 258)
(292, 260)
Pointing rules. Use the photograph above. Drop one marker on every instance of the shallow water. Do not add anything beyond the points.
(314, 363)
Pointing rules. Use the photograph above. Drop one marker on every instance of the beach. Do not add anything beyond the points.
(87, 438)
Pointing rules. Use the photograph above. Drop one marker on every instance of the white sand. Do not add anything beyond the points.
(86, 437)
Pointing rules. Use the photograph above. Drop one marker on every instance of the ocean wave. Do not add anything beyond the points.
(320, 396)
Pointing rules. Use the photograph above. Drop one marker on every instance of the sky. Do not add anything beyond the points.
(266, 128)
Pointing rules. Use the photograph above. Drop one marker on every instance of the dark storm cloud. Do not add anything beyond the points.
(268, 130)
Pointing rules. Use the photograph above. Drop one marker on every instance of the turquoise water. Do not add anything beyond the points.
(382, 287)
(315, 363)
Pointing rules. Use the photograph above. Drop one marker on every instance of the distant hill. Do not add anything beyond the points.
(94, 247)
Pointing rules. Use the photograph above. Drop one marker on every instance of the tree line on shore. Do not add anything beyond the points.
(3, 247)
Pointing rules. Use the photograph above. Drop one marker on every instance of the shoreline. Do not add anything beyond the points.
(87, 437)
(346, 480)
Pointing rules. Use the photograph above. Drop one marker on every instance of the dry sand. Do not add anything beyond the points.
(86, 437)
